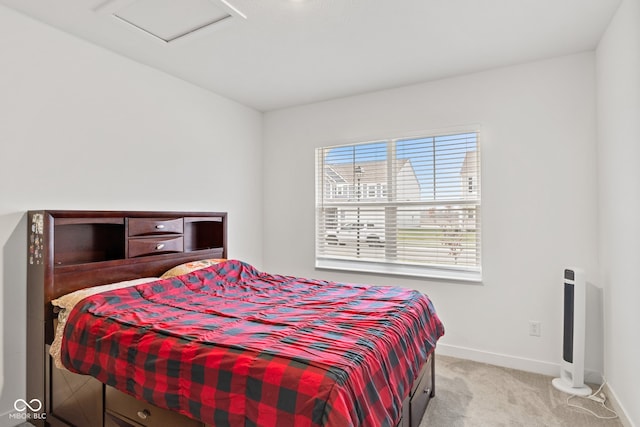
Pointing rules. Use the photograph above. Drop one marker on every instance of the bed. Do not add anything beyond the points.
(224, 344)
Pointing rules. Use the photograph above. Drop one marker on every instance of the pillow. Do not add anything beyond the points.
(191, 266)
(68, 301)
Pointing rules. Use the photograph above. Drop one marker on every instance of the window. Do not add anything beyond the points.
(413, 207)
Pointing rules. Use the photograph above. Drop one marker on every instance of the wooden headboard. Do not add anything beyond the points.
(71, 250)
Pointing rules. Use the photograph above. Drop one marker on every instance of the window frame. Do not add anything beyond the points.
(470, 186)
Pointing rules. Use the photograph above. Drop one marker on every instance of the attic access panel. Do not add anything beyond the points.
(172, 20)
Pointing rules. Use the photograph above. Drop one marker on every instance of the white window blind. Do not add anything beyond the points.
(401, 206)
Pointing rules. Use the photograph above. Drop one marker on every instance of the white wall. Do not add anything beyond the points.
(82, 128)
(539, 196)
(618, 82)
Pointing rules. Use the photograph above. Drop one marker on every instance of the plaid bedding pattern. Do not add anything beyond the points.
(232, 346)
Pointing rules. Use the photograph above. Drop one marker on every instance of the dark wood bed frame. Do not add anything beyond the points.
(71, 250)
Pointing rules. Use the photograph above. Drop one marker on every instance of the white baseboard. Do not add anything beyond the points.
(530, 365)
(521, 363)
(513, 362)
(614, 403)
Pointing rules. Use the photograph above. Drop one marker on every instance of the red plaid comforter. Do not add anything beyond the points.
(233, 346)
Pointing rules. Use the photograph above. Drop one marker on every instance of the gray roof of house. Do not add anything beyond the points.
(372, 171)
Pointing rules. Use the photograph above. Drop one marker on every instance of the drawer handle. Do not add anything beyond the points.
(159, 246)
(160, 226)
(427, 390)
(144, 414)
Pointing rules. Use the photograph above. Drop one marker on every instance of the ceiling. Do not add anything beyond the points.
(292, 52)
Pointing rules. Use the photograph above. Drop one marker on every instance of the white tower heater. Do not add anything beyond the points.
(573, 341)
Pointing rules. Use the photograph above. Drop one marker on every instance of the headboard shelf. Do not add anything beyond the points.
(88, 241)
(93, 266)
(71, 221)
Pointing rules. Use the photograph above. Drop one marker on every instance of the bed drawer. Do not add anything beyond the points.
(155, 245)
(124, 408)
(149, 226)
(421, 393)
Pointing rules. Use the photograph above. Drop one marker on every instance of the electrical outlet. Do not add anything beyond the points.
(535, 328)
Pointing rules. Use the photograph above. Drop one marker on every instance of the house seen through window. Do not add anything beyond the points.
(401, 206)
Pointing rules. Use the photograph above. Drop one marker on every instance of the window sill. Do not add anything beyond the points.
(399, 270)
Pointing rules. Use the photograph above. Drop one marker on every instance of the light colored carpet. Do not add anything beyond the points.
(472, 394)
